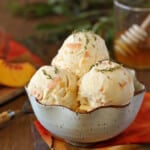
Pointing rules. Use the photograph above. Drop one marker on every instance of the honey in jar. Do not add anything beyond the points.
(135, 56)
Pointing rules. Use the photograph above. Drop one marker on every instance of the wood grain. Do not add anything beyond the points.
(16, 134)
(7, 94)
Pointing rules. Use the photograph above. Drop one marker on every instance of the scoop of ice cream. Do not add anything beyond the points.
(107, 83)
(51, 85)
(80, 51)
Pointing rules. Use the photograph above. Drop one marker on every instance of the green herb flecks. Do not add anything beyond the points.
(86, 42)
(95, 38)
(108, 69)
(91, 67)
(46, 74)
(56, 70)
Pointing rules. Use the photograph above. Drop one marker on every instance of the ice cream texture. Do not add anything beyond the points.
(54, 86)
(106, 84)
(82, 76)
(80, 51)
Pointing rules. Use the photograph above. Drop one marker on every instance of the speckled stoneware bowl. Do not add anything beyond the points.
(87, 128)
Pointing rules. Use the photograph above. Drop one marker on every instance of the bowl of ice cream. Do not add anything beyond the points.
(87, 128)
(85, 106)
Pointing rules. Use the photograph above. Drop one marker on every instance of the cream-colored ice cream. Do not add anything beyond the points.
(80, 51)
(53, 86)
(107, 83)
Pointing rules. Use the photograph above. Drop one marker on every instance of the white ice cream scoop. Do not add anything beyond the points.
(106, 84)
(80, 51)
(135, 34)
(54, 86)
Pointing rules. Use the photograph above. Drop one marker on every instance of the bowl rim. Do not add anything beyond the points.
(142, 90)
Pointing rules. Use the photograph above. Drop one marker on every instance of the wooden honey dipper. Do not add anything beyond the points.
(127, 41)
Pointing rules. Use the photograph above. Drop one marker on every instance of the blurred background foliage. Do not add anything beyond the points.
(95, 15)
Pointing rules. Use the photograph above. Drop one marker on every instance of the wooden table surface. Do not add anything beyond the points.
(19, 133)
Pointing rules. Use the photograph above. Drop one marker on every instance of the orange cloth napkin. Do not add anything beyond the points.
(19, 53)
(14, 51)
(137, 133)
